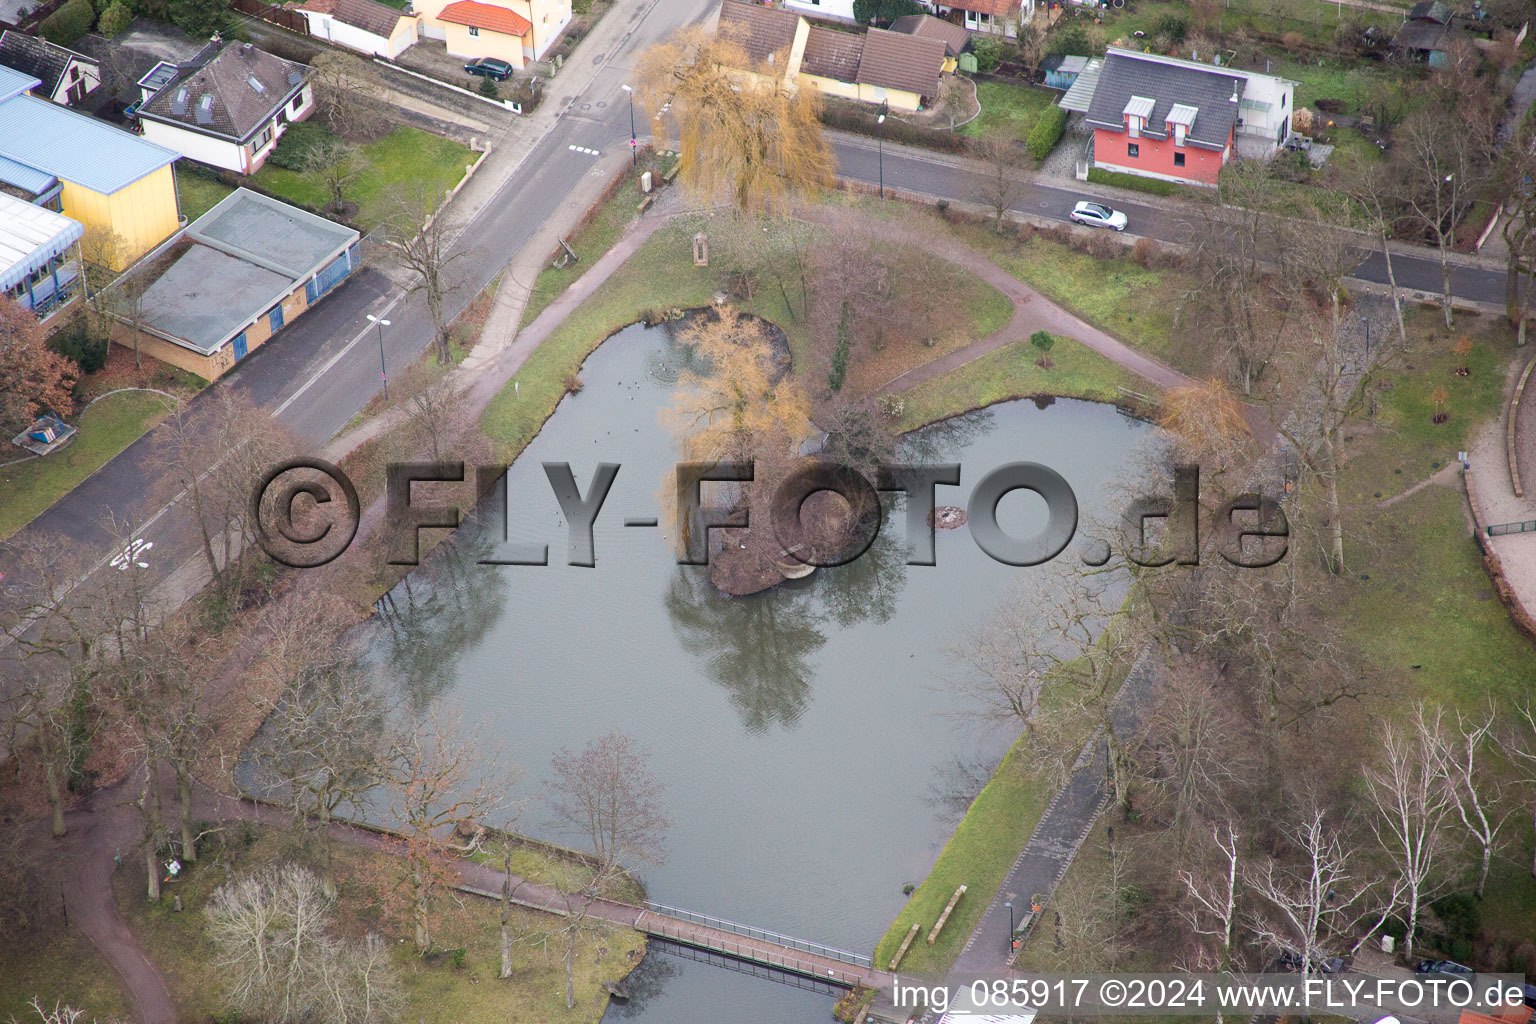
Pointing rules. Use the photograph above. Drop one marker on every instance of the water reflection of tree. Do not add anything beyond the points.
(756, 647)
(443, 607)
(644, 984)
(869, 587)
(945, 440)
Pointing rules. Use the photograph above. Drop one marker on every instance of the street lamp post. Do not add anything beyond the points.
(1009, 905)
(634, 152)
(382, 373)
(880, 142)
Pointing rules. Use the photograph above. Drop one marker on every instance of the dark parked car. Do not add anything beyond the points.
(1443, 971)
(489, 67)
(1530, 994)
(1290, 961)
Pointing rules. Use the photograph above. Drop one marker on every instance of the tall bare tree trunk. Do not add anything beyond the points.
(1445, 281)
(570, 970)
(184, 795)
(149, 811)
(51, 777)
(1397, 302)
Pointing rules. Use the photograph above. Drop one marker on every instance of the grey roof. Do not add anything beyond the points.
(1067, 65)
(30, 236)
(1432, 10)
(1424, 34)
(761, 31)
(1079, 95)
(39, 58)
(72, 147)
(275, 235)
(955, 37)
(832, 54)
(896, 61)
(232, 92)
(206, 295)
(1127, 75)
(14, 83)
(235, 263)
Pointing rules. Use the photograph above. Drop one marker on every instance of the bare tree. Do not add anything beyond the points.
(419, 243)
(1000, 184)
(1196, 747)
(1307, 905)
(446, 785)
(1523, 750)
(344, 86)
(1519, 228)
(1444, 158)
(1474, 788)
(337, 164)
(1212, 907)
(607, 795)
(1412, 802)
(1087, 916)
(434, 400)
(1371, 186)
(272, 934)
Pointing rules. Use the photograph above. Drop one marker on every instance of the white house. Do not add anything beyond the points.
(226, 107)
(362, 25)
(65, 76)
(840, 9)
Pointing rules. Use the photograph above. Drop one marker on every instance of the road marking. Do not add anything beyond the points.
(584, 149)
(348, 347)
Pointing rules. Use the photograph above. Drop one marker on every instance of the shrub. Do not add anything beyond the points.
(988, 52)
(115, 20)
(298, 142)
(1329, 106)
(1293, 41)
(1101, 245)
(1147, 252)
(75, 340)
(1047, 132)
(197, 18)
(1043, 341)
(487, 87)
(1174, 26)
(68, 23)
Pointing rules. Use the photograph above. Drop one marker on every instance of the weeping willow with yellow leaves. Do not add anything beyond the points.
(743, 132)
(1208, 421)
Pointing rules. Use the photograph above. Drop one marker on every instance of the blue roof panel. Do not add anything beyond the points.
(14, 83)
(74, 147)
(30, 178)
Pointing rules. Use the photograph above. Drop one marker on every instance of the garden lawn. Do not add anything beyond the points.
(1007, 111)
(198, 194)
(590, 242)
(406, 158)
(106, 428)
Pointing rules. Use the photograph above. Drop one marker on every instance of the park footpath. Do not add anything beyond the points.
(1500, 480)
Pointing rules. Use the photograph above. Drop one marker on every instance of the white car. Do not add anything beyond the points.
(1097, 215)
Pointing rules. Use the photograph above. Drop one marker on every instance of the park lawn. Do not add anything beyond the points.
(1011, 372)
(433, 987)
(106, 428)
(198, 193)
(60, 966)
(1261, 17)
(406, 158)
(978, 855)
(591, 241)
(1007, 111)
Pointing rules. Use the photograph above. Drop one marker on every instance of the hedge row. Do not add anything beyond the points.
(1047, 132)
(863, 123)
(68, 23)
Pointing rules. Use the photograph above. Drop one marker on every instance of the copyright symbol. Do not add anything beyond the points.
(301, 499)
(1112, 992)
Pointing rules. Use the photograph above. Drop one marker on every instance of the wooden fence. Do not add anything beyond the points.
(293, 21)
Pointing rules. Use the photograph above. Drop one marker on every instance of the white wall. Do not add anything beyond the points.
(1278, 93)
(195, 145)
(325, 26)
(827, 8)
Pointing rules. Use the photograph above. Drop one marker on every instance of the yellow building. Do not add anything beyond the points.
(121, 188)
(516, 31)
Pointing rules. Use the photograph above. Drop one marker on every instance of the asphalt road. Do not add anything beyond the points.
(939, 176)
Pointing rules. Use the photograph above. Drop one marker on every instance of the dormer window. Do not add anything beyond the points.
(1136, 113)
(1181, 118)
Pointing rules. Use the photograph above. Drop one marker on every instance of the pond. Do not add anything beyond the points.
(810, 745)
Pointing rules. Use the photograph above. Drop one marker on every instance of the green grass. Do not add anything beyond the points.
(1007, 111)
(61, 966)
(106, 428)
(199, 194)
(1008, 373)
(434, 990)
(1316, 23)
(406, 158)
(1135, 182)
(978, 856)
(591, 242)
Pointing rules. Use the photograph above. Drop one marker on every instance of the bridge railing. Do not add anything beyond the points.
(747, 931)
(755, 954)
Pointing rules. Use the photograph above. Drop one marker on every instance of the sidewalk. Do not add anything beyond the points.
(1491, 489)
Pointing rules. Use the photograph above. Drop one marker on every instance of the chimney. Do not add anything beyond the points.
(1234, 91)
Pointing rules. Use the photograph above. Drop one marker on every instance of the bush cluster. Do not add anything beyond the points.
(77, 341)
(298, 142)
(1047, 132)
(68, 23)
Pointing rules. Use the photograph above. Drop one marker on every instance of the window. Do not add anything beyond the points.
(473, 30)
(1133, 150)
(1178, 159)
(1133, 126)
(298, 101)
(262, 140)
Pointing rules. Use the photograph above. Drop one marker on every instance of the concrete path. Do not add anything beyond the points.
(1489, 474)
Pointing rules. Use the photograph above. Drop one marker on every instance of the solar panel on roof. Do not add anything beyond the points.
(179, 104)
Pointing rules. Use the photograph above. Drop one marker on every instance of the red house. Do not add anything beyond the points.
(1179, 120)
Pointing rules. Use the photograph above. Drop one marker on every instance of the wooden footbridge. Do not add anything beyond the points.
(759, 946)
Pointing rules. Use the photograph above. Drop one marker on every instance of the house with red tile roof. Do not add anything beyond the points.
(366, 26)
(516, 31)
(1000, 17)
